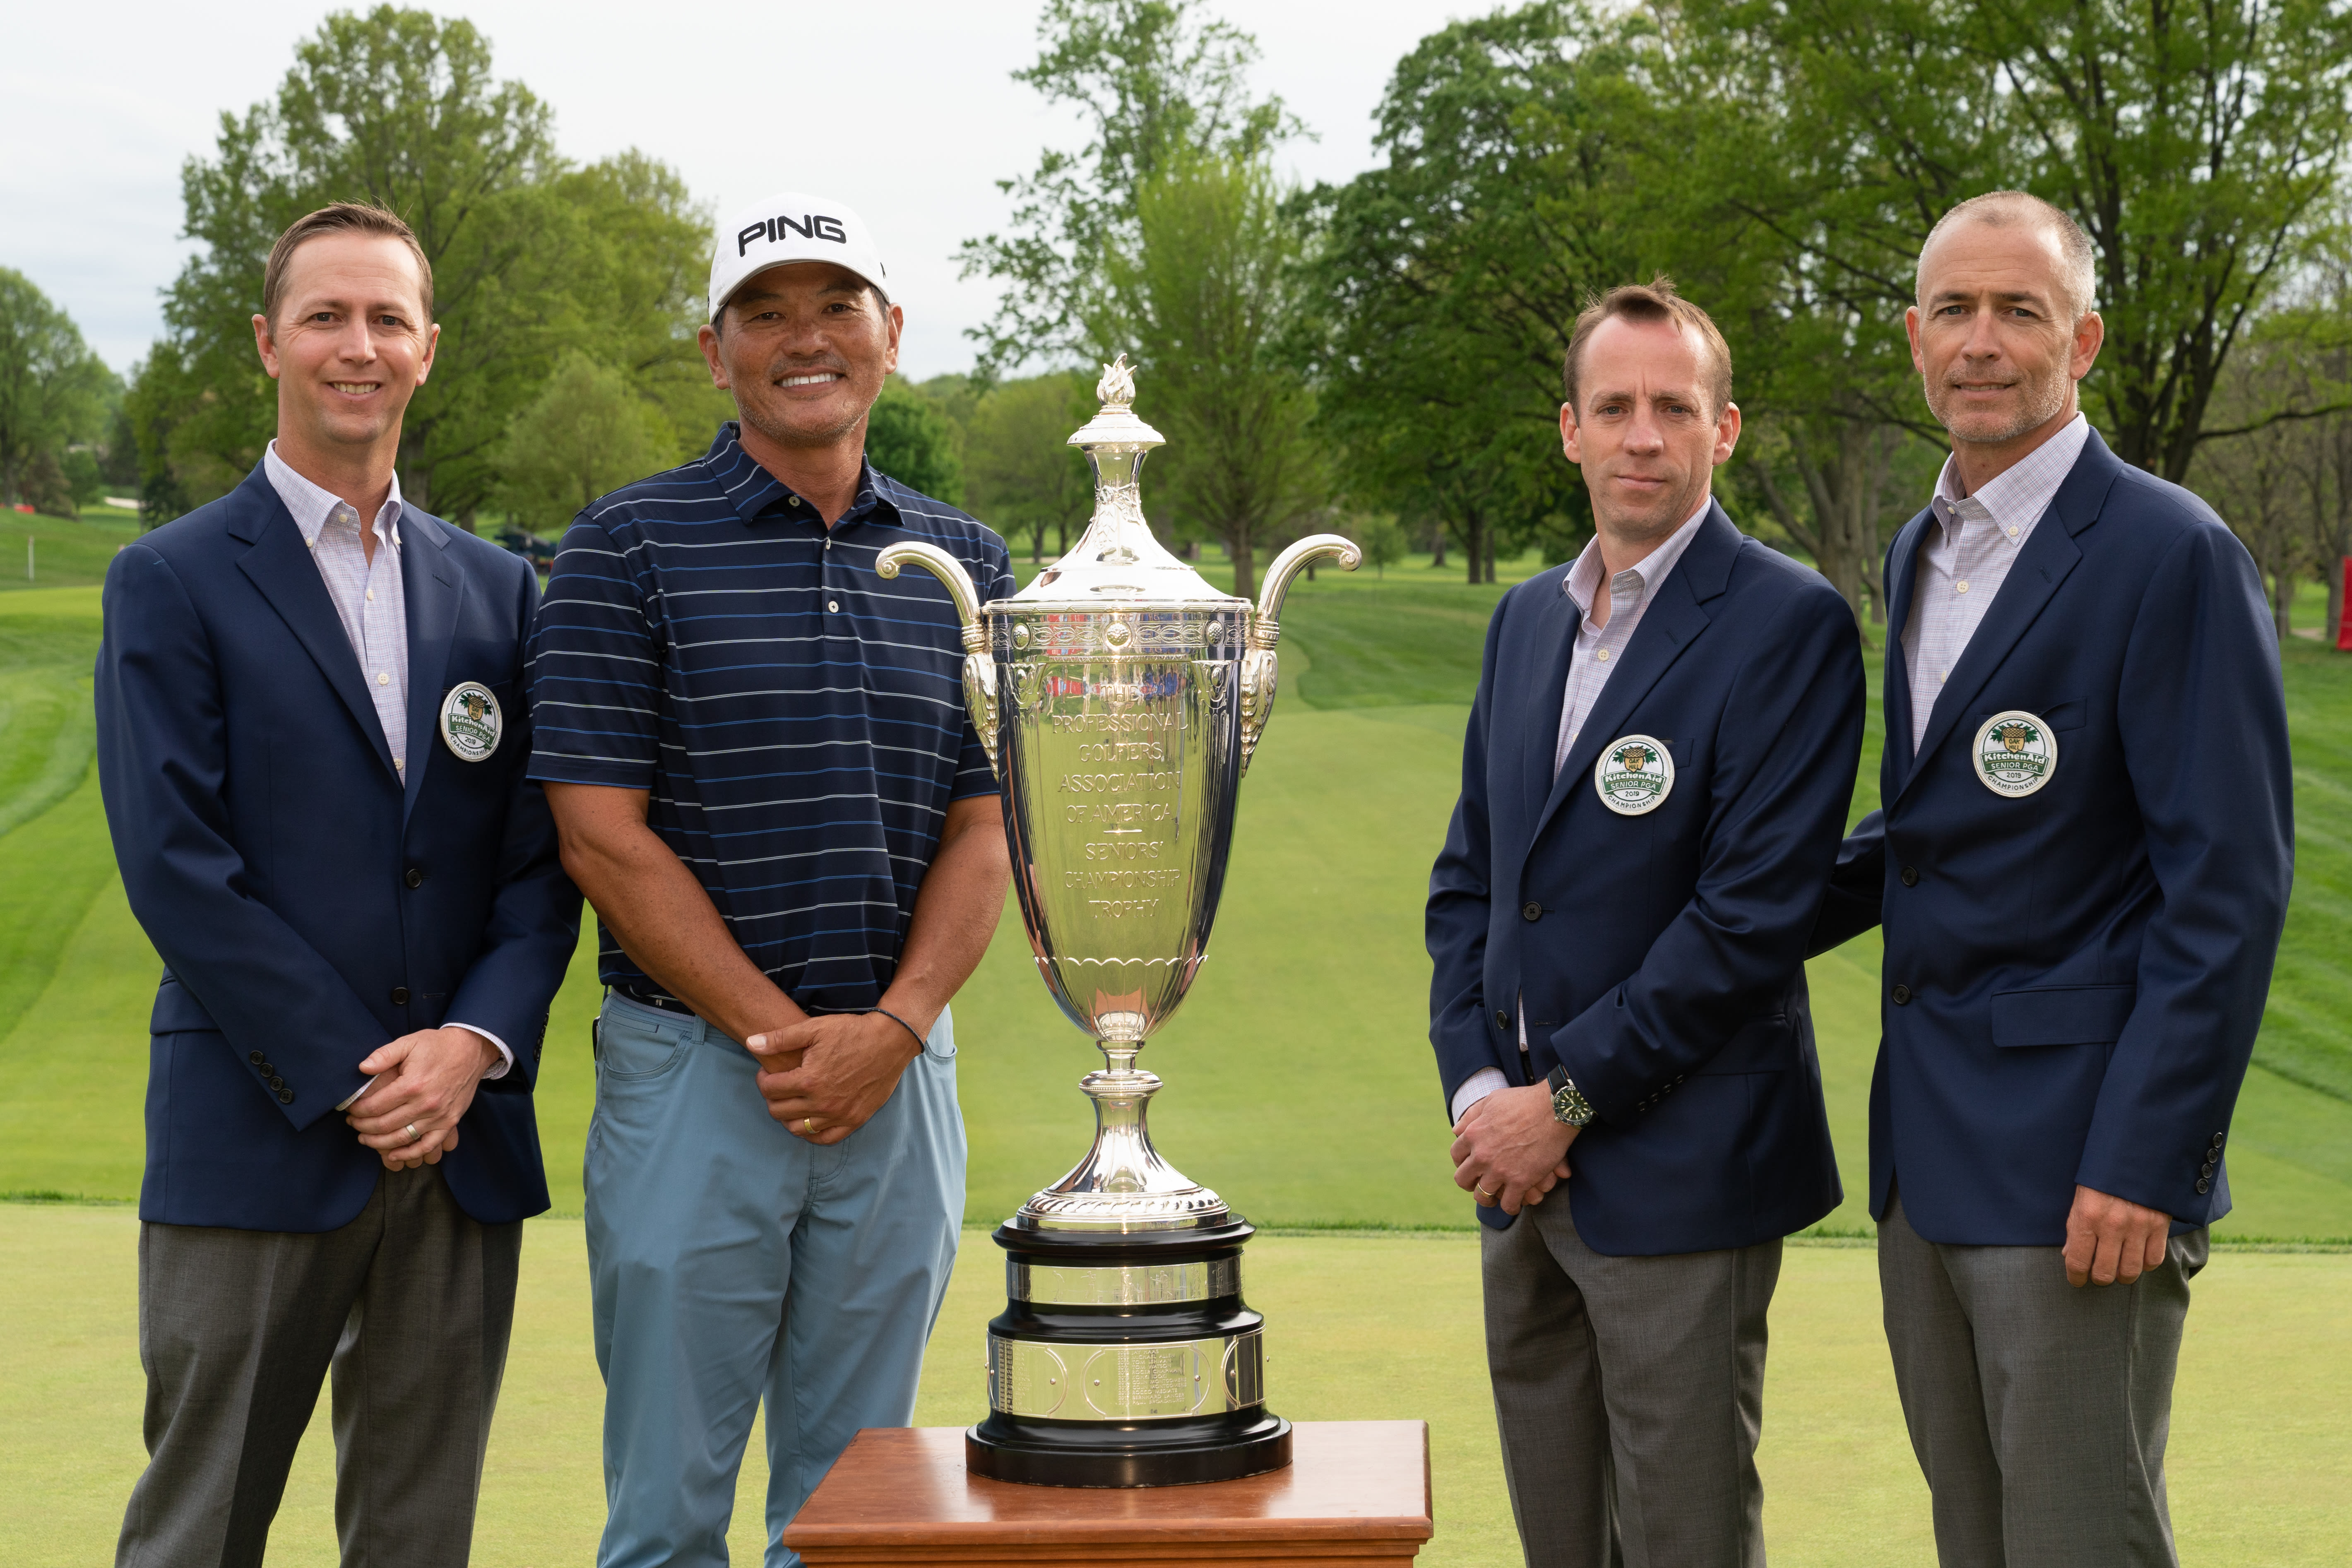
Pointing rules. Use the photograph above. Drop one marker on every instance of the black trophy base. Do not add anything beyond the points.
(1037, 1449)
(1041, 1453)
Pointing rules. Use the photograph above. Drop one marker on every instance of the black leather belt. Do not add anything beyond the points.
(645, 999)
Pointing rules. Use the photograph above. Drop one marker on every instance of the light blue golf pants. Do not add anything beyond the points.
(731, 1263)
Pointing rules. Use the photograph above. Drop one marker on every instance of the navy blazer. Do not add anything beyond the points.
(1659, 957)
(308, 906)
(2073, 978)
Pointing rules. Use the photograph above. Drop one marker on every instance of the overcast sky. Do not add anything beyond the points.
(903, 109)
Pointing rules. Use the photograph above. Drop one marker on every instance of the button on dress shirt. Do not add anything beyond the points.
(1599, 650)
(374, 607)
(1965, 555)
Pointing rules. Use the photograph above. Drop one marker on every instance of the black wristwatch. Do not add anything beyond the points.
(1567, 1105)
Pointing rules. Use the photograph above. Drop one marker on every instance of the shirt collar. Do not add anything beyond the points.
(2021, 492)
(314, 506)
(755, 492)
(1583, 580)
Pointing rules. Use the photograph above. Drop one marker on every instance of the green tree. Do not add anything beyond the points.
(1153, 80)
(85, 480)
(1450, 277)
(1381, 539)
(161, 395)
(530, 256)
(2199, 146)
(588, 432)
(2255, 480)
(53, 390)
(1022, 474)
(909, 438)
(1208, 294)
(637, 287)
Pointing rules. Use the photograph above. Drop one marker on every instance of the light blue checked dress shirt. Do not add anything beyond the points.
(1965, 556)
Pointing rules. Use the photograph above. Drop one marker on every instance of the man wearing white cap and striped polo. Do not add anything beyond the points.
(759, 760)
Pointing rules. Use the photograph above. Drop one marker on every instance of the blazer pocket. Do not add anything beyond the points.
(177, 1010)
(2061, 1014)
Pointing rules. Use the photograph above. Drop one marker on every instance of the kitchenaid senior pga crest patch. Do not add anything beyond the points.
(2015, 753)
(470, 721)
(1634, 776)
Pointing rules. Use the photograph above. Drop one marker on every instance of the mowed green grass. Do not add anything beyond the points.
(1359, 1328)
(1298, 1084)
(68, 553)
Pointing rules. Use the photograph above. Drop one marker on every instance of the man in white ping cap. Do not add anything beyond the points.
(759, 760)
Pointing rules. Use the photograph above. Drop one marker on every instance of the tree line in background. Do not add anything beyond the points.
(1381, 354)
(1784, 161)
(57, 401)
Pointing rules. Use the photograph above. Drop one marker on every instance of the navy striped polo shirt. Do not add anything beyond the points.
(798, 722)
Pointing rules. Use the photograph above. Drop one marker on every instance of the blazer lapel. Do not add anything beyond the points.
(281, 565)
(2045, 562)
(1671, 623)
(1539, 721)
(432, 590)
(1902, 581)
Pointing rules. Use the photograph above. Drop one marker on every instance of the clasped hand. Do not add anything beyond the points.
(1510, 1149)
(425, 1080)
(825, 1077)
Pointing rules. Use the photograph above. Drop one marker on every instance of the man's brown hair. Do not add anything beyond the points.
(339, 217)
(1653, 302)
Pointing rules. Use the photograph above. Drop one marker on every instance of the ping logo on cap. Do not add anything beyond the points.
(787, 227)
(808, 226)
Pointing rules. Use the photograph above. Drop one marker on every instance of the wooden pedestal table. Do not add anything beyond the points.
(1355, 1492)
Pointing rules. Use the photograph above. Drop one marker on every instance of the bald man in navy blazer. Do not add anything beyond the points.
(2082, 867)
(1658, 766)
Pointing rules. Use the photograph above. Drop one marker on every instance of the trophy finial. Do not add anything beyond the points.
(1116, 387)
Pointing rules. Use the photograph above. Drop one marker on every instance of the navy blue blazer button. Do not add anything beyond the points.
(277, 1082)
(1910, 875)
(1531, 910)
(1902, 994)
(285, 1097)
(2203, 1185)
(415, 878)
(400, 995)
(256, 1058)
(1501, 1019)
(2217, 1139)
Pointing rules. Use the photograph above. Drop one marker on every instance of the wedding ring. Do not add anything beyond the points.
(1482, 1192)
(414, 1135)
(809, 1125)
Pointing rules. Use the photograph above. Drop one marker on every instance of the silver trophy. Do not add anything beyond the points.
(1120, 697)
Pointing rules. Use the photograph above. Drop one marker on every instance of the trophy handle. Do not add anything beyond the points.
(979, 667)
(1261, 670)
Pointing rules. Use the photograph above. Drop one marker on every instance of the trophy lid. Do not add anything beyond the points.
(1117, 561)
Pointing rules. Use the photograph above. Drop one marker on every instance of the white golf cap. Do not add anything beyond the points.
(790, 226)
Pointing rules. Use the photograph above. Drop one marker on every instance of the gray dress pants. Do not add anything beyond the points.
(2039, 1411)
(410, 1304)
(1630, 1391)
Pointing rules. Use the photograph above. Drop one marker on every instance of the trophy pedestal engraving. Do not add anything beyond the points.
(1125, 1355)
(1166, 1388)
(1120, 697)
